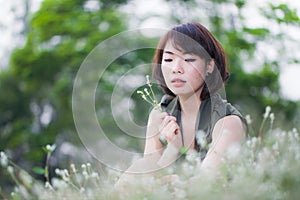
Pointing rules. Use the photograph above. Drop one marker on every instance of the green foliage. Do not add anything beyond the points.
(40, 77)
(282, 13)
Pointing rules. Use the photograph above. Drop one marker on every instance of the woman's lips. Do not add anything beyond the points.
(177, 82)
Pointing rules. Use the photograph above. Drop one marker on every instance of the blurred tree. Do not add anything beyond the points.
(36, 102)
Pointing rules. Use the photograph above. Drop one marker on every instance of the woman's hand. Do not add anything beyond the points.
(153, 145)
(170, 130)
(161, 123)
(155, 120)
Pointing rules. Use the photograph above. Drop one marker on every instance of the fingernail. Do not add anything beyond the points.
(176, 132)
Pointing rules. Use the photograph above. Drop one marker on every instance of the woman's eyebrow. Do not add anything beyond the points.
(169, 52)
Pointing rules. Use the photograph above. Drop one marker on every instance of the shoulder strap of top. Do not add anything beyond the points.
(212, 110)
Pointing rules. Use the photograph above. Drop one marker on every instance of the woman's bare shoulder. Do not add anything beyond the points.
(231, 124)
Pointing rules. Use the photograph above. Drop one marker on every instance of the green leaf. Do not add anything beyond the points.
(257, 31)
(183, 150)
(38, 170)
(46, 150)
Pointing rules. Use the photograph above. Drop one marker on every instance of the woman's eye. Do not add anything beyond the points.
(190, 60)
(168, 60)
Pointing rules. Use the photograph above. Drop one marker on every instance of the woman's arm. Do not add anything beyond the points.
(156, 156)
(152, 152)
(162, 123)
(153, 148)
(227, 133)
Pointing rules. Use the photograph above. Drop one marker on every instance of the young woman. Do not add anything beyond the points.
(190, 66)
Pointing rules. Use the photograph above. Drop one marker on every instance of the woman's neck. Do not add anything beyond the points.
(190, 105)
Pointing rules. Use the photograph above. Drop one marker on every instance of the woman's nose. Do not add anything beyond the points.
(177, 67)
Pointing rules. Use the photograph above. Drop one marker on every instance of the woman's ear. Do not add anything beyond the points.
(210, 66)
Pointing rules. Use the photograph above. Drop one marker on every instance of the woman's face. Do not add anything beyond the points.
(184, 72)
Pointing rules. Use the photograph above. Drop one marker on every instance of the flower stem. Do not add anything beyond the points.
(46, 173)
(260, 133)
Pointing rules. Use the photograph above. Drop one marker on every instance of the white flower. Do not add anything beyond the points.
(248, 143)
(85, 174)
(170, 170)
(58, 172)
(57, 183)
(179, 193)
(82, 190)
(66, 173)
(139, 92)
(248, 119)
(73, 169)
(144, 97)
(191, 156)
(148, 80)
(50, 148)
(272, 117)
(275, 146)
(149, 96)
(3, 159)
(146, 91)
(296, 134)
(267, 112)
(233, 152)
(10, 169)
(294, 130)
(95, 175)
(201, 138)
(47, 185)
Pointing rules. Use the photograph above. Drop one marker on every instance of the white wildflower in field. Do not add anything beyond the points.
(64, 174)
(82, 190)
(47, 185)
(10, 169)
(50, 148)
(59, 184)
(262, 168)
(267, 112)
(85, 174)
(149, 96)
(248, 119)
(3, 159)
(73, 168)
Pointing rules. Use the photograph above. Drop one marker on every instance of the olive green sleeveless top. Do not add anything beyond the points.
(211, 110)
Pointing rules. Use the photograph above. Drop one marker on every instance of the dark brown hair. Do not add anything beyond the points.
(194, 38)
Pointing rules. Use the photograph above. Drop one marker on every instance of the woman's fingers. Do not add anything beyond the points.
(170, 130)
(167, 119)
(154, 122)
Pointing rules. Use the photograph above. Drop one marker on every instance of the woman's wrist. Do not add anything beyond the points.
(169, 155)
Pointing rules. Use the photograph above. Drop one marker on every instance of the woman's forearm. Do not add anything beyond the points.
(169, 156)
